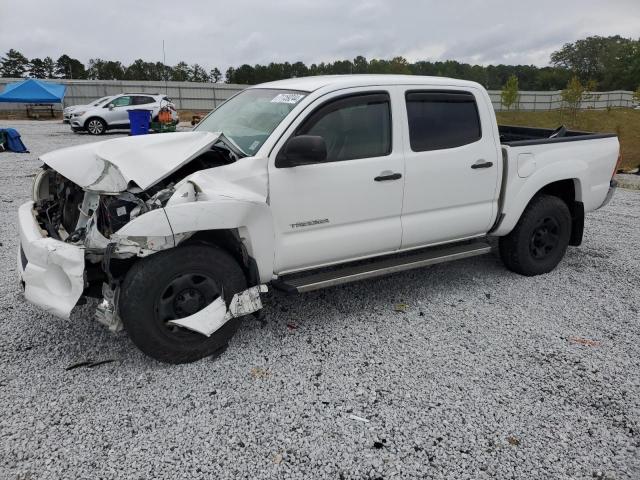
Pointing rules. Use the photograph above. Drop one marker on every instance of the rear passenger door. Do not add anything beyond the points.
(451, 166)
(144, 102)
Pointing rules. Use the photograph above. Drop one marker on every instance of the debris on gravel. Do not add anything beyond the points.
(483, 373)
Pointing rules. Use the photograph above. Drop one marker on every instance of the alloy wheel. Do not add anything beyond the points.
(95, 127)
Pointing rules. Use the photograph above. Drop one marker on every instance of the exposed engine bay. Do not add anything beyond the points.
(69, 213)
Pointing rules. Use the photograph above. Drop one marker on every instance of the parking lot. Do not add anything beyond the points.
(461, 370)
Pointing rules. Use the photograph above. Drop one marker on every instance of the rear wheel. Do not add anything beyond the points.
(96, 126)
(540, 238)
(175, 284)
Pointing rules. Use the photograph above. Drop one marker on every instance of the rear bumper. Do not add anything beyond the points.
(52, 271)
(613, 185)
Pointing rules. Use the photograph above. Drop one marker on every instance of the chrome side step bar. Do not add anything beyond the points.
(381, 267)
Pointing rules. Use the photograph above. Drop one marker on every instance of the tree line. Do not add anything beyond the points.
(607, 63)
(15, 65)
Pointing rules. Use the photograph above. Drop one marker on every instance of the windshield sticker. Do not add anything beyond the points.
(287, 98)
(254, 145)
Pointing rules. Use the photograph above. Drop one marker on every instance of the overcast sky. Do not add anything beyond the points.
(233, 32)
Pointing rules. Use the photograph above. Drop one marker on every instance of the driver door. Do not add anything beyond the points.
(349, 205)
(118, 115)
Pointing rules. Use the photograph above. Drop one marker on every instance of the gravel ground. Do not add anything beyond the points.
(486, 374)
(629, 181)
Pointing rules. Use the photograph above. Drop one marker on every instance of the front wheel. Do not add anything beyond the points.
(540, 238)
(96, 126)
(175, 284)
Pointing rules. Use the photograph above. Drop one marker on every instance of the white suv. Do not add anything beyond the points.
(97, 119)
(67, 113)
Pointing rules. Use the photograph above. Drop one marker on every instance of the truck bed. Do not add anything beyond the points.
(521, 136)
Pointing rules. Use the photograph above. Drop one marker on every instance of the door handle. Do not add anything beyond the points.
(386, 176)
(482, 164)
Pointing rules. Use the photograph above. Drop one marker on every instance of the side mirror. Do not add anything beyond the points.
(302, 150)
(111, 106)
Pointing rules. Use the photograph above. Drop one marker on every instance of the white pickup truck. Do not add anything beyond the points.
(302, 184)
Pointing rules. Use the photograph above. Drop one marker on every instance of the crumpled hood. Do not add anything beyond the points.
(113, 166)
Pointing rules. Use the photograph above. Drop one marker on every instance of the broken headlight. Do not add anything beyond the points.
(41, 186)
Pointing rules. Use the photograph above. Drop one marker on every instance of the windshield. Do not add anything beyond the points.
(99, 101)
(249, 118)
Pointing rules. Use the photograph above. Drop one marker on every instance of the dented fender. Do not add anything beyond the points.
(151, 224)
(253, 220)
(145, 234)
(164, 228)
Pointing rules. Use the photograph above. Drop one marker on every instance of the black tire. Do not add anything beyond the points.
(540, 238)
(95, 126)
(152, 293)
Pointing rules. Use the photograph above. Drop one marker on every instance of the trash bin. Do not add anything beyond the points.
(139, 121)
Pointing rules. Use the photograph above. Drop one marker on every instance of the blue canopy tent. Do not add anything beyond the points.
(33, 91)
(39, 96)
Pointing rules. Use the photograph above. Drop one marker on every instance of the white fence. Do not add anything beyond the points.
(207, 96)
(186, 95)
(553, 100)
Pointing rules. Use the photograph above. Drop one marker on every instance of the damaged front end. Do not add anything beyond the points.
(77, 237)
(83, 225)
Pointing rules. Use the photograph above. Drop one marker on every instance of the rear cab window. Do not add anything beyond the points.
(441, 119)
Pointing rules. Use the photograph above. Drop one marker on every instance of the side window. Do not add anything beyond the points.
(142, 100)
(442, 119)
(121, 101)
(353, 127)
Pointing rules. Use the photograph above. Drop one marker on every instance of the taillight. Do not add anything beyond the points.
(618, 163)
